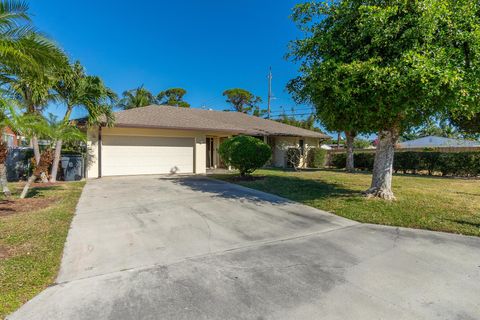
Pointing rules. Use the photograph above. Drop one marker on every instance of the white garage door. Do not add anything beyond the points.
(127, 155)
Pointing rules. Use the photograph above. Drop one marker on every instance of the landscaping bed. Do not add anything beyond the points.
(32, 237)
(432, 203)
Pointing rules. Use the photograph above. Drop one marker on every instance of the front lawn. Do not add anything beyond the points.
(32, 236)
(433, 203)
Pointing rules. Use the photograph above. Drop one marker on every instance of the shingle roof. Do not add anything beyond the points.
(167, 117)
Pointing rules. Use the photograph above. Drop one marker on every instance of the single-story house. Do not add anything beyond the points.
(437, 142)
(164, 139)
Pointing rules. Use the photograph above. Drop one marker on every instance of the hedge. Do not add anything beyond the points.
(446, 163)
(316, 158)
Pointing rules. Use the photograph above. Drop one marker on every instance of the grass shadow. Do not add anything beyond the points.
(295, 188)
(465, 222)
(37, 191)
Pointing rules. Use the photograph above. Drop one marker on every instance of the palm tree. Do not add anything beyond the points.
(21, 46)
(27, 125)
(28, 60)
(136, 98)
(76, 89)
(51, 130)
(33, 92)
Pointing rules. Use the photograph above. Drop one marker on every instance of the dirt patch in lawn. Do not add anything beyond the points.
(3, 253)
(12, 206)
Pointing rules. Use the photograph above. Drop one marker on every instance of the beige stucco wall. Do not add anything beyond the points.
(199, 161)
(283, 143)
(199, 153)
(92, 153)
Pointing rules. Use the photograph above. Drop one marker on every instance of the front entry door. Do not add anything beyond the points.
(210, 150)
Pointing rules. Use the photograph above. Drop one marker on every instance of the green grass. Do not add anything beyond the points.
(34, 240)
(432, 203)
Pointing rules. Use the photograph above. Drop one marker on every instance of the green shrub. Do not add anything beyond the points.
(293, 157)
(338, 160)
(317, 158)
(446, 163)
(364, 161)
(245, 153)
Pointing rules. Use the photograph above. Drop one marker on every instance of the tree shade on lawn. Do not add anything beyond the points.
(393, 65)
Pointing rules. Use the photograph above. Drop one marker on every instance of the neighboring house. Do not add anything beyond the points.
(10, 137)
(164, 139)
(437, 142)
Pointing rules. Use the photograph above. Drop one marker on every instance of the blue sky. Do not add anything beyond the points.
(202, 46)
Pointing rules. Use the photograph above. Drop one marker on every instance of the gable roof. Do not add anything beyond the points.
(167, 117)
(434, 141)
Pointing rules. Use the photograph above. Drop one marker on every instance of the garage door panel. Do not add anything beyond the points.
(136, 141)
(129, 155)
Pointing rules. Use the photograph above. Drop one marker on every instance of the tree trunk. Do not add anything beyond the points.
(36, 154)
(58, 148)
(350, 135)
(36, 149)
(30, 180)
(3, 180)
(56, 160)
(383, 166)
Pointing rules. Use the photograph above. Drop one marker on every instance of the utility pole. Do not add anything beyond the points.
(269, 91)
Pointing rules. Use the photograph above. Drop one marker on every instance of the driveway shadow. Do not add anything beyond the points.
(223, 189)
(272, 188)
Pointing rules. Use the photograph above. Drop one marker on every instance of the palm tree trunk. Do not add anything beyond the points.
(36, 149)
(58, 149)
(56, 161)
(30, 180)
(3, 180)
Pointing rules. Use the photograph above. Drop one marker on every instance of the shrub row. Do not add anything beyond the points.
(316, 158)
(445, 163)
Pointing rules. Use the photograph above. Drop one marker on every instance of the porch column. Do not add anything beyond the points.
(199, 154)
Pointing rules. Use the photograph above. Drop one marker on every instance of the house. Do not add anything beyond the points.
(437, 142)
(164, 139)
(10, 137)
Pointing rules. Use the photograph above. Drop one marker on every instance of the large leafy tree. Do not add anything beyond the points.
(173, 97)
(469, 125)
(243, 101)
(396, 64)
(136, 98)
(76, 89)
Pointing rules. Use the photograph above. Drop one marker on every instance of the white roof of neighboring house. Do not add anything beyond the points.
(436, 142)
(326, 147)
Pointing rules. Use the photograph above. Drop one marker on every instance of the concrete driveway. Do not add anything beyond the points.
(196, 248)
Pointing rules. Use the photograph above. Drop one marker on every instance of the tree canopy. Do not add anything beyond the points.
(243, 101)
(173, 97)
(136, 98)
(387, 67)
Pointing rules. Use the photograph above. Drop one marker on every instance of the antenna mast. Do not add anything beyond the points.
(269, 92)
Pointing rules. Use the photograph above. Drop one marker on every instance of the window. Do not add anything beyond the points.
(301, 143)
